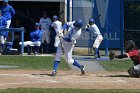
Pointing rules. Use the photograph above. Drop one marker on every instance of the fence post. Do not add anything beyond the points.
(122, 25)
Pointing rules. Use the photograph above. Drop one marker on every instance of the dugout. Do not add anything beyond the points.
(30, 11)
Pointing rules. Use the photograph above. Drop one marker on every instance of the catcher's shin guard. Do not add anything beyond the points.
(134, 72)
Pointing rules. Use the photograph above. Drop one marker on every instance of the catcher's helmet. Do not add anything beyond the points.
(130, 44)
(91, 21)
(78, 23)
(55, 17)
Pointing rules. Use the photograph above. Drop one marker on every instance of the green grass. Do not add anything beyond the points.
(33, 90)
(32, 62)
(117, 65)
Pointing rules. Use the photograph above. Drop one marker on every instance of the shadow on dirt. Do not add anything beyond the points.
(42, 75)
(116, 76)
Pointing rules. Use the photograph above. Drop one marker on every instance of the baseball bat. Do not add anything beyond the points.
(98, 16)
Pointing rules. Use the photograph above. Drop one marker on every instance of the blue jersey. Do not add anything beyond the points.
(36, 35)
(8, 11)
(3, 24)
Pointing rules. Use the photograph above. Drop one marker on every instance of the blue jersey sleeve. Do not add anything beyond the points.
(65, 26)
(12, 11)
(4, 23)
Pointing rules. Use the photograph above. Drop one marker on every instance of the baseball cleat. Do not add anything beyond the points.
(82, 69)
(54, 73)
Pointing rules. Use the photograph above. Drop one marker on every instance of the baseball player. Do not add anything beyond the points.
(67, 43)
(97, 35)
(45, 23)
(35, 37)
(131, 52)
(3, 24)
(58, 29)
(8, 12)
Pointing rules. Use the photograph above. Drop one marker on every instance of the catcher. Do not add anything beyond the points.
(133, 53)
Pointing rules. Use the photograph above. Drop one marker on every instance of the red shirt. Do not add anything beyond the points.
(134, 55)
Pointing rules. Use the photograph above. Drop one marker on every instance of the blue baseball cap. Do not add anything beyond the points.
(37, 24)
(5, 0)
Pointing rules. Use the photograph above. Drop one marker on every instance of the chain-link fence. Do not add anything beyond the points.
(132, 21)
(108, 21)
(83, 9)
(113, 14)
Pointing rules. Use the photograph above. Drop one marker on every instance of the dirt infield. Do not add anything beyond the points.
(67, 79)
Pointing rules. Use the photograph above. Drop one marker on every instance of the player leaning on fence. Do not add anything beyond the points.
(133, 53)
(8, 12)
(67, 42)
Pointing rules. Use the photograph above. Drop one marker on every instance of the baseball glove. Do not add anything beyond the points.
(111, 55)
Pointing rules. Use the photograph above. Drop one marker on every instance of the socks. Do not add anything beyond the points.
(37, 49)
(55, 66)
(76, 64)
(3, 46)
(29, 51)
(96, 51)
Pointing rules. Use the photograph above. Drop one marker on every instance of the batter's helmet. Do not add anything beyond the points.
(55, 17)
(91, 20)
(78, 23)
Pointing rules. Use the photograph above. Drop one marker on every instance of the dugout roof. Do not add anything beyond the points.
(40, 0)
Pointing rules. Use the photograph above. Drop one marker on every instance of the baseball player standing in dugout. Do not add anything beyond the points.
(67, 42)
(3, 24)
(8, 12)
(97, 35)
(58, 29)
(45, 23)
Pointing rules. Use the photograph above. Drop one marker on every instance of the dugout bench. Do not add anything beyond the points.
(21, 30)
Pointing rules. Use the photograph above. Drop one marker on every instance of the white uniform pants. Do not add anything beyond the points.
(57, 40)
(30, 43)
(97, 41)
(46, 35)
(2, 39)
(68, 48)
(8, 23)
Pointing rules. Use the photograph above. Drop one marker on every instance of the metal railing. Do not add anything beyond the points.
(21, 30)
